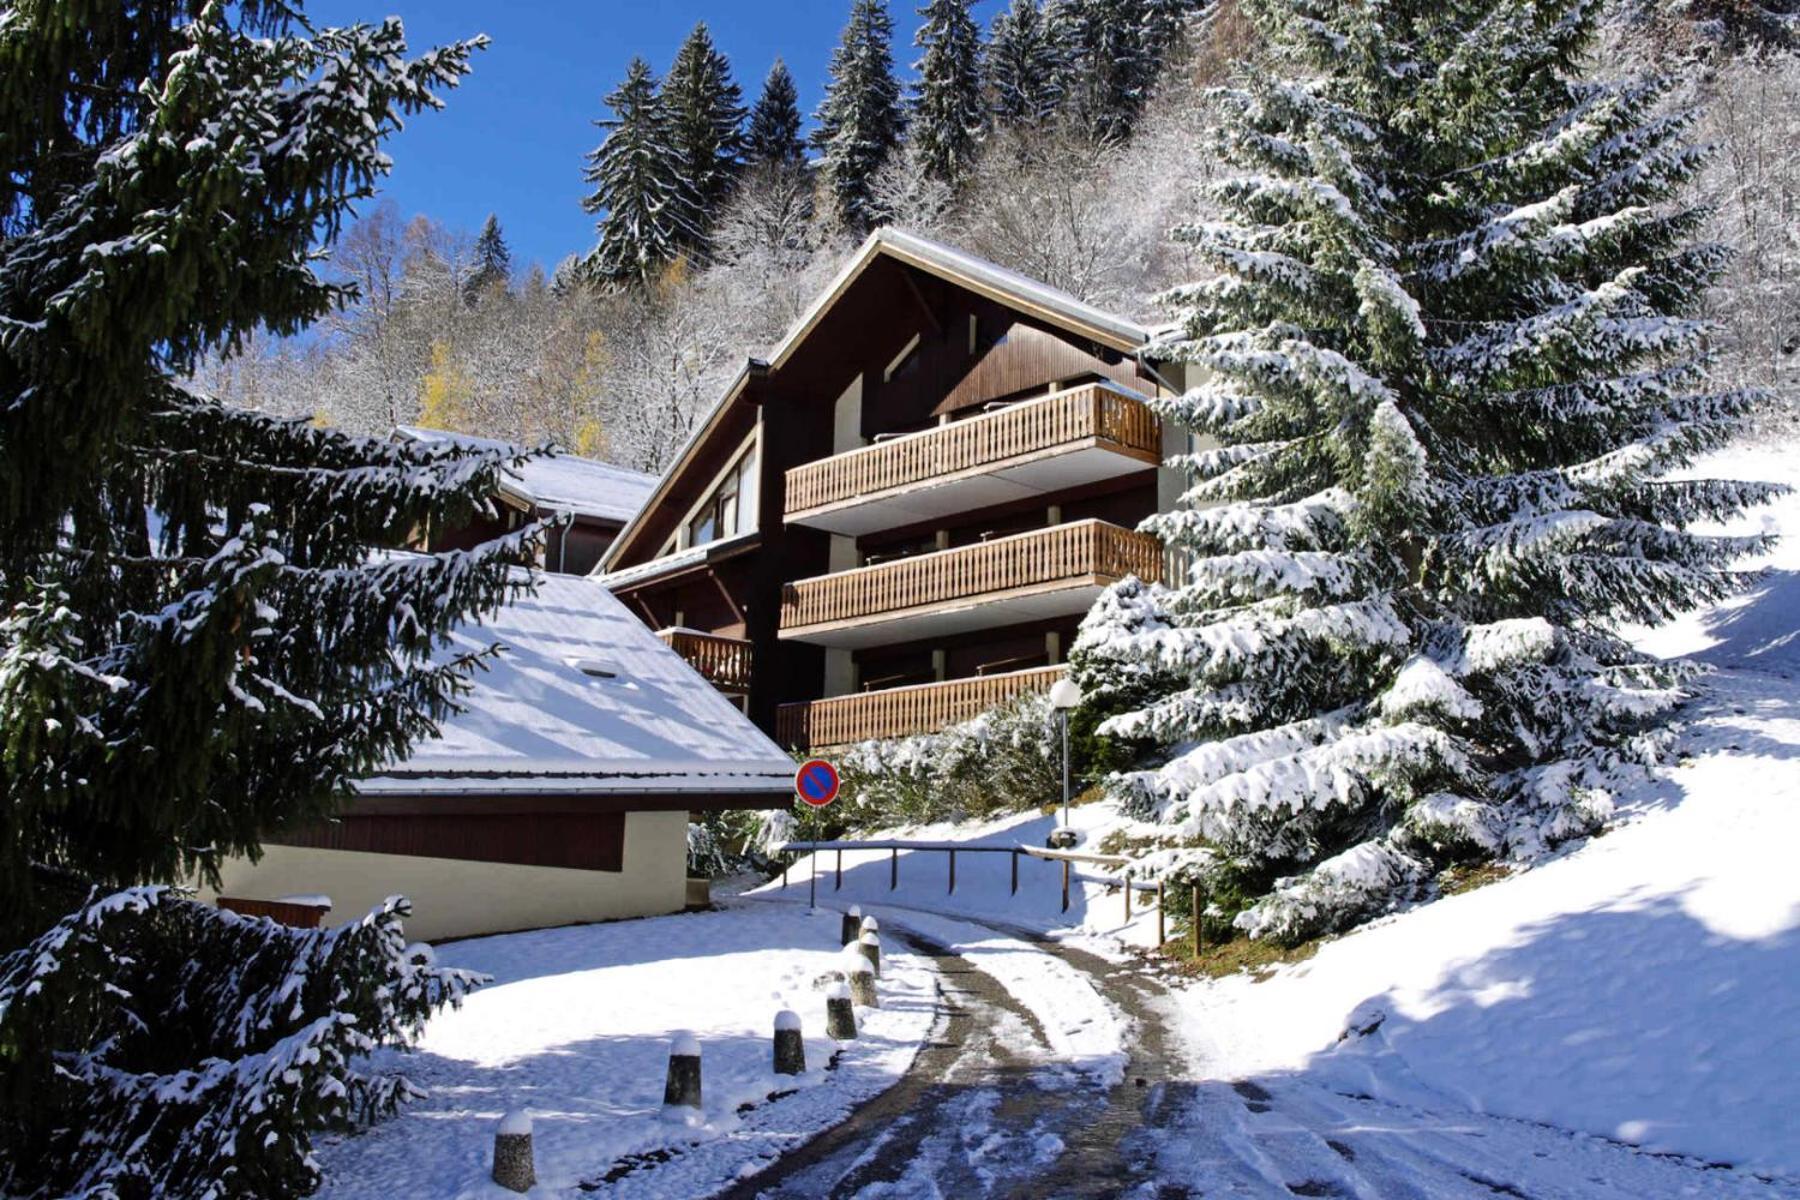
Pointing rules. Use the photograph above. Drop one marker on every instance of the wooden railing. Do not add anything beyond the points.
(1030, 427)
(723, 661)
(899, 711)
(1078, 550)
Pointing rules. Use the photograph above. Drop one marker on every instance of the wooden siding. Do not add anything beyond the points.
(1088, 415)
(588, 841)
(900, 711)
(725, 662)
(1082, 551)
(282, 912)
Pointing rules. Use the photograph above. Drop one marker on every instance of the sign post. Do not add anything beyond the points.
(816, 785)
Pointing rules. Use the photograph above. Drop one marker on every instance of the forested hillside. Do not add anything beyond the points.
(1063, 140)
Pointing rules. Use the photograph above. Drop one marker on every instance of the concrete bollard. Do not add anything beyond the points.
(871, 925)
(840, 1017)
(851, 925)
(870, 946)
(683, 1086)
(513, 1168)
(862, 984)
(790, 1047)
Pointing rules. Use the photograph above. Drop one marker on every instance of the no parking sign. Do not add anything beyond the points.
(816, 782)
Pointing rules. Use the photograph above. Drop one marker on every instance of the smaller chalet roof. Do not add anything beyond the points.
(561, 482)
(585, 699)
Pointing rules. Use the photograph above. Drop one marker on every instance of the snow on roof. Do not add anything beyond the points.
(585, 699)
(674, 562)
(562, 482)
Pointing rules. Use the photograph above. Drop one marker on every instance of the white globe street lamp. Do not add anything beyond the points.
(1064, 696)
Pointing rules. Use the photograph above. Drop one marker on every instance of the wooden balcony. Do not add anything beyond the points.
(900, 711)
(723, 661)
(1080, 436)
(1051, 572)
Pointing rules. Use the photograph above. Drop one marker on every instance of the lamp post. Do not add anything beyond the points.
(1064, 696)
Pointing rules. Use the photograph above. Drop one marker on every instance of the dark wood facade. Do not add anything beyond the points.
(929, 352)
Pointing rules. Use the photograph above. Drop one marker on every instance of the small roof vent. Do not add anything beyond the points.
(593, 668)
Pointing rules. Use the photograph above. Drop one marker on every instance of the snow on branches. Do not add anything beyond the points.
(1443, 359)
(189, 1051)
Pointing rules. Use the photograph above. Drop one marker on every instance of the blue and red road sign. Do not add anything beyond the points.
(816, 782)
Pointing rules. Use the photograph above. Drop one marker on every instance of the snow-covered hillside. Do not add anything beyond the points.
(1645, 986)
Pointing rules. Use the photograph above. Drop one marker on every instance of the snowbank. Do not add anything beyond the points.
(1644, 987)
(576, 1030)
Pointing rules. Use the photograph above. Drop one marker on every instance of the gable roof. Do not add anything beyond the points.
(1008, 287)
(585, 699)
(561, 482)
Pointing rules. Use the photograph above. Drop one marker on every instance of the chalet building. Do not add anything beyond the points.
(596, 498)
(561, 793)
(899, 519)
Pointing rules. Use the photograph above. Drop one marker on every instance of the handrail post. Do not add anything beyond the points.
(953, 872)
(1128, 895)
(1065, 898)
(839, 885)
(1196, 903)
(1162, 926)
(1015, 873)
(812, 876)
(893, 868)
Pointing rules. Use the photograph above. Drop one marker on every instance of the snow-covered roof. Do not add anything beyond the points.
(680, 560)
(561, 482)
(585, 699)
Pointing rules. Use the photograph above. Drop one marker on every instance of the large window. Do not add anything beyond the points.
(731, 509)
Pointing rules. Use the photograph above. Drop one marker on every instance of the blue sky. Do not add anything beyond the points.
(511, 138)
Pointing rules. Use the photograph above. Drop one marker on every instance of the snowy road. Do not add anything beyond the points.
(992, 1110)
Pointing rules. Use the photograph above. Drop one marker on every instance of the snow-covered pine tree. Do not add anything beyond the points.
(197, 647)
(706, 119)
(648, 210)
(948, 114)
(861, 119)
(1025, 66)
(1109, 68)
(1450, 359)
(773, 137)
(493, 261)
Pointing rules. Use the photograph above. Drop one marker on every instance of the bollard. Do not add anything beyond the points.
(840, 1018)
(1195, 902)
(862, 985)
(683, 1086)
(870, 945)
(790, 1047)
(1162, 926)
(513, 1169)
(850, 925)
(871, 925)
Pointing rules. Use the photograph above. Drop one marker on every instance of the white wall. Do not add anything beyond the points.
(452, 898)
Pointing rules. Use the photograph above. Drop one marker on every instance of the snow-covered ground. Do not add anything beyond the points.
(1645, 986)
(575, 1029)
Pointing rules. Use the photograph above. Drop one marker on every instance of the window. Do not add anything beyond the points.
(731, 508)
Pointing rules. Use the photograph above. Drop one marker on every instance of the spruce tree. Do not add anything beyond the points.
(1025, 66)
(648, 210)
(706, 117)
(860, 120)
(493, 261)
(1109, 67)
(1450, 359)
(948, 116)
(197, 645)
(773, 138)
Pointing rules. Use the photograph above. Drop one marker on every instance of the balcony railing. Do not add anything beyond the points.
(1090, 413)
(1081, 552)
(722, 661)
(899, 711)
